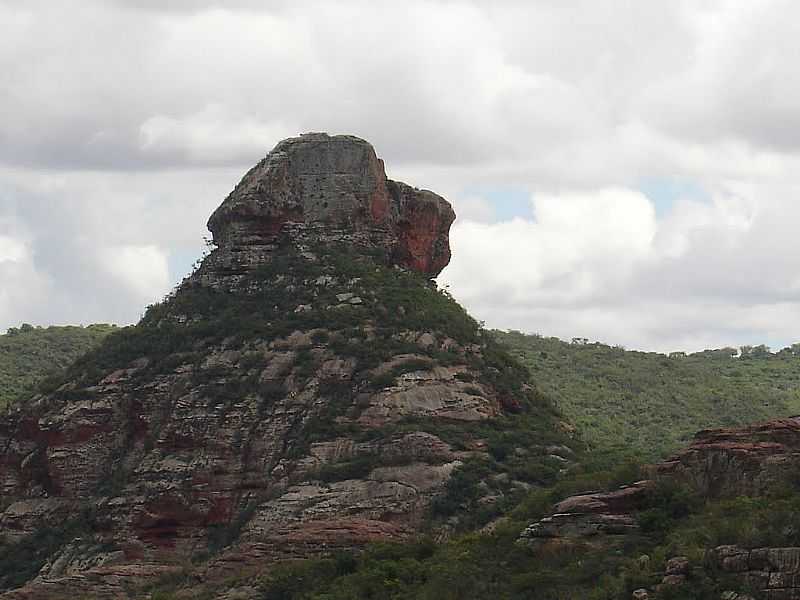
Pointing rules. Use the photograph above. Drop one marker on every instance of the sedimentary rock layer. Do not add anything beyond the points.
(282, 402)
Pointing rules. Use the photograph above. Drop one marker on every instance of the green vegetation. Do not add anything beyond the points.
(470, 568)
(21, 560)
(30, 354)
(629, 406)
(394, 301)
(651, 403)
(393, 305)
(476, 566)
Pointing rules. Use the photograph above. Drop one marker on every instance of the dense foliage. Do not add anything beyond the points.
(628, 405)
(294, 293)
(392, 301)
(29, 354)
(652, 403)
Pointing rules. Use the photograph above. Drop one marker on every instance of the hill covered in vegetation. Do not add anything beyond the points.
(308, 389)
(650, 403)
(718, 523)
(30, 354)
(309, 417)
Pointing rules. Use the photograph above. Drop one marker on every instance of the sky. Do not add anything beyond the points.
(624, 171)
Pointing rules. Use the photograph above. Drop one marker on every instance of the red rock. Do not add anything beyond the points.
(335, 182)
(170, 468)
(736, 461)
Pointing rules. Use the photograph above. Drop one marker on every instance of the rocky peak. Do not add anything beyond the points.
(296, 395)
(318, 188)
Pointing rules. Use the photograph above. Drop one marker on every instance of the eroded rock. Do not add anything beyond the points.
(330, 188)
(231, 446)
(734, 462)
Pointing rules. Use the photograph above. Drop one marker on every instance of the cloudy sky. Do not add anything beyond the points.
(623, 171)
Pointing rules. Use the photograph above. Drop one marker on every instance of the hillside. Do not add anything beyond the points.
(309, 417)
(718, 523)
(306, 390)
(651, 403)
(30, 354)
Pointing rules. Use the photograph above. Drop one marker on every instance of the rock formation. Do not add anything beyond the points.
(774, 572)
(590, 514)
(319, 188)
(736, 461)
(718, 464)
(286, 399)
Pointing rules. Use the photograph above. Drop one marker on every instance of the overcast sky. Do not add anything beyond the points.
(623, 171)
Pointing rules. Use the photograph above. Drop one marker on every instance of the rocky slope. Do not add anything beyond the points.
(758, 463)
(737, 462)
(307, 388)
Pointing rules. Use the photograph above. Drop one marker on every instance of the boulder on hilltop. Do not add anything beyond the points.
(307, 389)
(335, 187)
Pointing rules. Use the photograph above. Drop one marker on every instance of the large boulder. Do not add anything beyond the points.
(318, 186)
(285, 401)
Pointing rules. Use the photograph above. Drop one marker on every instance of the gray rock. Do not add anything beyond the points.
(678, 565)
(320, 187)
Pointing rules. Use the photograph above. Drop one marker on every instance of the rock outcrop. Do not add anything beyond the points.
(590, 514)
(774, 572)
(286, 400)
(737, 461)
(718, 464)
(318, 188)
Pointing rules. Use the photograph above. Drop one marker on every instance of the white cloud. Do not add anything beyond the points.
(205, 136)
(11, 250)
(132, 119)
(578, 247)
(143, 270)
(473, 209)
(600, 265)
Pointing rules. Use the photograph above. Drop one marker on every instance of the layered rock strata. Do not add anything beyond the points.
(736, 461)
(590, 514)
(317, 189)
(282, 402)
(719, 463)
(774, 572)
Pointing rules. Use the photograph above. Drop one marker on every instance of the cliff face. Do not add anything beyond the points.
(754, 462)
(320, 188)
(287, 399)
(743, 461)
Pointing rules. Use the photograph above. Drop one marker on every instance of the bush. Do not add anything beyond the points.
(667, 503)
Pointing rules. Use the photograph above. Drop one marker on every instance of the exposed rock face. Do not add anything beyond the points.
(719, 463)
(590, 514)
(774, 572)
(283, 402)
(734, 462)
(317, 187)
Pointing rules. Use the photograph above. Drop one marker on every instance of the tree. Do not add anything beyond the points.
(761, 351)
